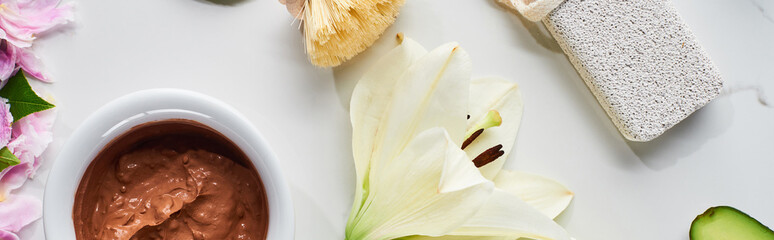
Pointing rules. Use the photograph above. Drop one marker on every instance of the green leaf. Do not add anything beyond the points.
(7, 158)
(22, 98)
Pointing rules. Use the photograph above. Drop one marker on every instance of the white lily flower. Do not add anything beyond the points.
(429, 146)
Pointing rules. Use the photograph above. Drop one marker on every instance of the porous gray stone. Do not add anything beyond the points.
(640, 60)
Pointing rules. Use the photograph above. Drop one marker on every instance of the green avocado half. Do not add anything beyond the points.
(728, 223)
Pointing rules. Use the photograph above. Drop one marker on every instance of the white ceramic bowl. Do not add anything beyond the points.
(140, 107)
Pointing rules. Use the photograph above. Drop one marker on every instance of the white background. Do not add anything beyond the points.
(250, 56)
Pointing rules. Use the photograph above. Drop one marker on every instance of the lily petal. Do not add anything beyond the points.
(415, 194)
(503, 96)
(547, 195)
(372, 96)
(369, 103)
(433, 92)
(507, 215)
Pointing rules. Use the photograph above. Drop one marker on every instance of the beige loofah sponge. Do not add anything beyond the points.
(638, 57)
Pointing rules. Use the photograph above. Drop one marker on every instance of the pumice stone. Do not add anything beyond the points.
(640, 60)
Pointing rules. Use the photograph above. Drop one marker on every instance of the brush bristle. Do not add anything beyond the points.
(337, 30)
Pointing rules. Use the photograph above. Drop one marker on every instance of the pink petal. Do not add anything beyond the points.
(18, 211)
(37, 4)
(22, 20)
(8, 59)
(14, 26)
(8, 235)
(12, 178)
(31, 136)
(31, 65)
(5, 122)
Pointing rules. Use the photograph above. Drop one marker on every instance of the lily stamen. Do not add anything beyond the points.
(470, 139)
(492, 119)
(488, 156)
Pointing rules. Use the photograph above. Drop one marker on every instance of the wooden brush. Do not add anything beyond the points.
(337, 30)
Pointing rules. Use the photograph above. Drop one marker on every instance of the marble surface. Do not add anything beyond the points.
(249, 54)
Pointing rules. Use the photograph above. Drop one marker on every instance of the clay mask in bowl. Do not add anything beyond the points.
(164, 164)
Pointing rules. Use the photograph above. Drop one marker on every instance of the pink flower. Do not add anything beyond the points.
(16, 212)
(21, 20)
(30, 137)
